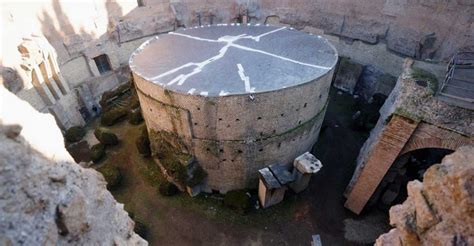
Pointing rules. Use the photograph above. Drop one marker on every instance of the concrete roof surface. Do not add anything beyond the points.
(232, 59)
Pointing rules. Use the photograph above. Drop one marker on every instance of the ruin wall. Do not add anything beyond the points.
(370, 32)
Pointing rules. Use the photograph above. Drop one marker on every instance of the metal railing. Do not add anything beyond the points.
(461, 63)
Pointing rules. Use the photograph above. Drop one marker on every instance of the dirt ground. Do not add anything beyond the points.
(181, 220)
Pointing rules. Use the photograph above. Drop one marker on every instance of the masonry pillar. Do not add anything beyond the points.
(47, 77)
(41, 87)
(63, 85)
(382, 153)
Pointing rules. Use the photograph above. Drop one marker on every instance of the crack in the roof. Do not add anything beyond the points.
(229, 41)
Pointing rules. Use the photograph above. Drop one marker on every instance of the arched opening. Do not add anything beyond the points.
(407, 167)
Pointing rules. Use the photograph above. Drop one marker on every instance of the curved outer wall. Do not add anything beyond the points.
(234, 136)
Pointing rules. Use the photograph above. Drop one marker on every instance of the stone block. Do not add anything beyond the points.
(270, 191)
(374, 80)
(71, 216)
(425, 217)
(301, 181)
(305, 166)
(403, 40)
(316, 240)
(307, 163)
(268, 179)
(365, 30)
(329, 22)
(347, 75)
(269, 197)
(282, 174)
(128, 31)
(392, 237)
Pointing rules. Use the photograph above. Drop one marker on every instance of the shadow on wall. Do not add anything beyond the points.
(66, 29)
(11, 79)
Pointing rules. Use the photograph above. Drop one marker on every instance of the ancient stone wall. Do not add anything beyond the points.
(439, 210)
(226, 160)
(45, 197)
(421, 29)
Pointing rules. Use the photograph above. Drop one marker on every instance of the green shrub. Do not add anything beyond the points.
(113, 116)
(135, 116)
(168, 189)
(75, 134)
(238, 200)
(97, 152)
(109, 138)
(421, 74)
(143, 143)
(197, 176)
(175, 169)
(112, 175)
(105, 136)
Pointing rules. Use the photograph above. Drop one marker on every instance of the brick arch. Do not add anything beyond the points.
(399, 136)
(429, 136)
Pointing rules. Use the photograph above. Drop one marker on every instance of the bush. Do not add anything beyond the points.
(143, 143)
(238, 200)
(105, 136)
(113, 116)
(135, 116)
(175, 169)
(168, 189)
(97, 152)
(75, 134)
(112, 175)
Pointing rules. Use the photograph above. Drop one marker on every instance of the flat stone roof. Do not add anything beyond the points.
(232, 59)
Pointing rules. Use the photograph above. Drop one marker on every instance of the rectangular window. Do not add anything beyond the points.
(102, 63)
(141, 3)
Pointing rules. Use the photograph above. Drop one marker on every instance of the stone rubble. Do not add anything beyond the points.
(276, 179)
(439, 210)
(46, 198)
(347, 76)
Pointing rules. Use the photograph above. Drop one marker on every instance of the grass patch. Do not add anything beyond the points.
(213, 208)
(151, 173)
(143, 204)
(421, 74)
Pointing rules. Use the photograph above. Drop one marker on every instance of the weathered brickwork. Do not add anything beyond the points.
(386, 149)
(435, 124)
(430, 136)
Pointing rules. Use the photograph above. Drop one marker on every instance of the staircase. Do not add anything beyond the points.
(458, 86)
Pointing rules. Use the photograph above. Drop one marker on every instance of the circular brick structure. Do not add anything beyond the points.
(235, 97)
